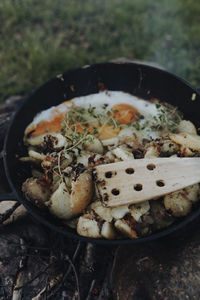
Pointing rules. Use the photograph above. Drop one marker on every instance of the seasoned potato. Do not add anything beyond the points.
(52, 141)
(35, 141)
(110, 142)
(65, 205)
(31, 160)
(55, 141)
(119, 211)
(187, 140)
(103, 212)
(177, 204)
(169, 148)
(131, 137)
(187, 126)
(137, 210)
(151, 152)
(82, 192)
(124, 228)
(88, 227)
(123, 153)
(60, 203)
(95, 145)
(192, 192)
(36, 192)
(83, 158)
(107, 231)
(36, 155)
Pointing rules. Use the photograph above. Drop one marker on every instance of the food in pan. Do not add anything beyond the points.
(66, 142)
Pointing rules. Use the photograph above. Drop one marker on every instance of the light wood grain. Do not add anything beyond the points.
(117, 187)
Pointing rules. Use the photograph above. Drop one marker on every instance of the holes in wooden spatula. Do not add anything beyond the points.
(115, 192)
(130, 170)
(160, 183)
(138, 187)
(151, 167)
(108, 174)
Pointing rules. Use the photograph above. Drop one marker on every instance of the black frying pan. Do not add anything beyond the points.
(141, 80)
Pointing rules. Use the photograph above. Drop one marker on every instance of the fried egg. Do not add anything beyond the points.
(125, 108)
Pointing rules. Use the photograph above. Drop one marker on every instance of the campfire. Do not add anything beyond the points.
(38, 263)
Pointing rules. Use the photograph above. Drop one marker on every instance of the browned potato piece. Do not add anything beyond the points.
(88, 227)
(65, 205)
(35, 192)
(138, 210)
(119, 212)
(124, 228)
(103, 212)
(82, 192)
(178, 204)
(122, 153)
(187, 140)
(60, 203)
(107, 231)
(187, 126)
(95, 145)
(151, 152)
(36, 155)
(192, 192)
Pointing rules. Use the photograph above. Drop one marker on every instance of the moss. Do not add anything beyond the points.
(40, 39)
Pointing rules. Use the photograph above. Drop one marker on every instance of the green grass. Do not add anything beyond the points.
(42, 38)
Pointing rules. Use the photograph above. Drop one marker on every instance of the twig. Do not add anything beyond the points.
(75, 273)
(43, 292)
(91, 289)
(36, 276)
(28, 247)
(17, 293)
(67, 272)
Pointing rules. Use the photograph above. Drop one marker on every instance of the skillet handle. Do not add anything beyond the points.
(5, 196)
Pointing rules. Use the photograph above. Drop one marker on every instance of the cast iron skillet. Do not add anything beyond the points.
(140, 80)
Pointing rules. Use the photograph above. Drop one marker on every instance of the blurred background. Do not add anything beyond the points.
(42, 38)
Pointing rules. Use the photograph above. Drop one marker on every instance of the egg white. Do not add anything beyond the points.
(110, 98)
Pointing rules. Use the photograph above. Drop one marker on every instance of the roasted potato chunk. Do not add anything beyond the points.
(187, 126)
(107, 231)
(125, 229)
(36, 192)
(82, 192)
(192, 192)
(88, 227)
(65, 205)
(177, 204)
(187, 140)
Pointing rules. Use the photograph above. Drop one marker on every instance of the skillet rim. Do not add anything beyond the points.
(157, 235)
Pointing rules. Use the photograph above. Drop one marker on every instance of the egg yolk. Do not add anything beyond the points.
(125, 113)
(122, 113)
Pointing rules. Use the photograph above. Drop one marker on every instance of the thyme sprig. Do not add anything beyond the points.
(80, 123)
(168, 117)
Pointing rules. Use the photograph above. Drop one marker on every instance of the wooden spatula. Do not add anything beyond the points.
(135, 181)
